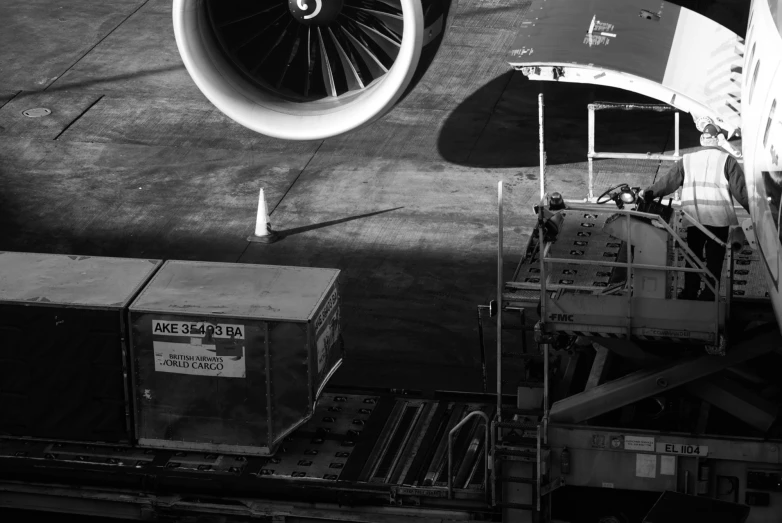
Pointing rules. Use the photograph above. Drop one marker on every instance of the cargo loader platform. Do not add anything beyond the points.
(641, 391)
(588, 292)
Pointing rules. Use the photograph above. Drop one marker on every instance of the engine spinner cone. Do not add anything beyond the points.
(320, 13)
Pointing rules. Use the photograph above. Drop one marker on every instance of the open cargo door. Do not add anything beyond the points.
(656, 49)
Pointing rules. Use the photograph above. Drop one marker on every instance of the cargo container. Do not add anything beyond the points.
(63, 359)
(231, 357)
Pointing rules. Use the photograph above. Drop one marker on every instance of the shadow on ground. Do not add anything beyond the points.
(510, 137)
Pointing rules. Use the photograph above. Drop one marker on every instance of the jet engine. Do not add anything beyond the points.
(307, 69)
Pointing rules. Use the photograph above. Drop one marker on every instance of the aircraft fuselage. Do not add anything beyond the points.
(762, 135)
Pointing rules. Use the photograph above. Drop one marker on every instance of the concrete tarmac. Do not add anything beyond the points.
(135, 162)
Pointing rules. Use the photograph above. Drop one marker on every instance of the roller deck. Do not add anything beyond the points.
(360, 449)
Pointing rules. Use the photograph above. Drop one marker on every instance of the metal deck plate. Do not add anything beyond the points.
(582, 237)
(320, 449)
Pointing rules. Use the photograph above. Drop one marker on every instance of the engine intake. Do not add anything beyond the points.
(307, 69)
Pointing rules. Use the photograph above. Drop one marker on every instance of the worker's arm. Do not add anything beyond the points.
(738, 186)
(670, 182)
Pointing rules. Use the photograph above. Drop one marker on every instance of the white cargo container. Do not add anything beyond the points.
(231, 358)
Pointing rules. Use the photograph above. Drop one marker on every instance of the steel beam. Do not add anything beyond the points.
(629, 350)
(644, 383)
(599, 367)
(727, 395)
(569, 371)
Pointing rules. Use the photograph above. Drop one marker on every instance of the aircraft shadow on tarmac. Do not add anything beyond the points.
(510, 136)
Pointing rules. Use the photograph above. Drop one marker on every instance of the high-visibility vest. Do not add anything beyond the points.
(705, 192)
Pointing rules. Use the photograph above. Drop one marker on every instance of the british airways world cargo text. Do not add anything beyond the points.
(185, 361)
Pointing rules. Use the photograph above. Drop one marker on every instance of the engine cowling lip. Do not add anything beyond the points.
(271, 115)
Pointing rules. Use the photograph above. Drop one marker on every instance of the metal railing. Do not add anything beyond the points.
(496, 427)
(485, 450)
(696, 264)
(592, 154)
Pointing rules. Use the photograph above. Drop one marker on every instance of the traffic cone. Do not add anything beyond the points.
(263, 226)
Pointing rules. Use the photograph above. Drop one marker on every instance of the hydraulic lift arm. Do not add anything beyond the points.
(645, 383)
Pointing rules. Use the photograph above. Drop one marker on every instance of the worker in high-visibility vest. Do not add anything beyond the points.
(710, 179)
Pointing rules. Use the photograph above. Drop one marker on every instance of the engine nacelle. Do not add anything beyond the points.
(307, 69)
